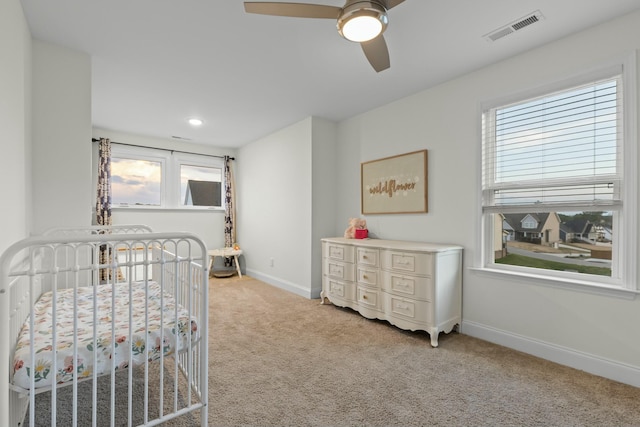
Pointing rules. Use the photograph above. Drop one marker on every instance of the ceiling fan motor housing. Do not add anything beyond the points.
(358, 9)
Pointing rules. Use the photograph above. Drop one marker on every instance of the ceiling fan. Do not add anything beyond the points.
(358, 21)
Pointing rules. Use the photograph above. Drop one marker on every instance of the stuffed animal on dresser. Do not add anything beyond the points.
(355, 224)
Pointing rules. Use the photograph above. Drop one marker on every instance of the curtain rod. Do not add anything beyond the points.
(163, 149)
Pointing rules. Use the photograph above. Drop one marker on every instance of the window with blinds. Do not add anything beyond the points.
(560, 151)
(553, 182)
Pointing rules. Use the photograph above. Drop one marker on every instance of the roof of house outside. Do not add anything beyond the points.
(515, 221)
(202, 193)
(576, 226)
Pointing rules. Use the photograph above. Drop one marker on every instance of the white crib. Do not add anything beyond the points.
(145, 308)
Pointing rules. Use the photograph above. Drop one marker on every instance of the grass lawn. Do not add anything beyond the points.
(525, 261)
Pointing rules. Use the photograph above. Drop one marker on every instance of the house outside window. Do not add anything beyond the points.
(200, 185)
(555, 168)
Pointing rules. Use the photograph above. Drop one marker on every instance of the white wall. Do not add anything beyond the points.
(275, 207)
(207, 224)
(61, 137)
(585, 330)
(15, 106)
(286, 192)
(323, 192)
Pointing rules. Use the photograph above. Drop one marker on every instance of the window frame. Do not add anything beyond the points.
(171, 162)
(625, 247)
(530, 224)
(152, 156)
(183, 159)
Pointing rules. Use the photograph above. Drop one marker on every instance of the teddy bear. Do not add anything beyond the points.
(355, 224)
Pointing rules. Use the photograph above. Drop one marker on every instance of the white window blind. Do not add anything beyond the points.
(557, 152)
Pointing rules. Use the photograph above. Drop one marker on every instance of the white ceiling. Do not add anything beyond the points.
(157, 62)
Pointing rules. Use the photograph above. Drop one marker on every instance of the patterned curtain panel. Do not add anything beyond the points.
(103, 207)
(103, 203)
(229, 210)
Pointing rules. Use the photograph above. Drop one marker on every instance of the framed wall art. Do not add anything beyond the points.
(394, 185)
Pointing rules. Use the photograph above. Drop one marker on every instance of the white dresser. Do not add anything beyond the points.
(415, 286)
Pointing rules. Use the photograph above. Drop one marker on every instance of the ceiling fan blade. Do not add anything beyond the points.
(297, 10)
(388, 4)
(377, 53)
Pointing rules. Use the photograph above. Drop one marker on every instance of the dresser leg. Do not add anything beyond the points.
(322, 297)
(434, 337)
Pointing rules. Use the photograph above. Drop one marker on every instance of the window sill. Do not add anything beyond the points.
(558, 282)
(166, 209)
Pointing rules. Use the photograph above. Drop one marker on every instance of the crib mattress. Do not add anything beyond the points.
(176, 334)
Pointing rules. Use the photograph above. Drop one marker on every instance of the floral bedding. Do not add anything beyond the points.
(175, 338)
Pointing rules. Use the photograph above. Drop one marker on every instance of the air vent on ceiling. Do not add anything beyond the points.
(517, 25)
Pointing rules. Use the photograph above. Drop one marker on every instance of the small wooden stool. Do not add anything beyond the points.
(225, 253)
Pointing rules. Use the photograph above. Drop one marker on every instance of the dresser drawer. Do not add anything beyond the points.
(407, 262)
(368, 257)
(368, 276)
(338, 252)
(408, 309)
(339, 289)
(418, 287)
(369, 298)
(339, 270)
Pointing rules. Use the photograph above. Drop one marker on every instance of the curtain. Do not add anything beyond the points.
(229, 209)
(103, 206)
(103, 203)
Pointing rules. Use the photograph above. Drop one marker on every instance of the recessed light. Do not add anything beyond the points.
(195, 122)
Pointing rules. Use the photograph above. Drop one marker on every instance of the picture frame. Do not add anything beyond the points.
(394, 185)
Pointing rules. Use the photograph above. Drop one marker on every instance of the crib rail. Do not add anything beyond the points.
(65, 263)
(97, 229)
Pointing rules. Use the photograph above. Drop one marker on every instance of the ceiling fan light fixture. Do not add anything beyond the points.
(362, 21)
(361, 28)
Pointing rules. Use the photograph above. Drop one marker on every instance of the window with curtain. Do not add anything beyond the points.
(554, 181)
(149, 178)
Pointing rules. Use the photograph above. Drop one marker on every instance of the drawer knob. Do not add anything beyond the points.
(364, 297)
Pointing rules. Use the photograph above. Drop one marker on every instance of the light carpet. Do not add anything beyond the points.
(278, 359)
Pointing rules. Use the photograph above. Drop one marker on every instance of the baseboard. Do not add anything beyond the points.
(595, 365)
(283, 284)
